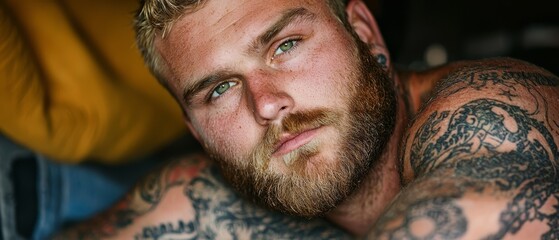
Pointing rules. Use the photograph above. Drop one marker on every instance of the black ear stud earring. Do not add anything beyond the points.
(381, 59)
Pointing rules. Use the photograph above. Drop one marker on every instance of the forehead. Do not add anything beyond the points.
(217, 16)
(222, 26)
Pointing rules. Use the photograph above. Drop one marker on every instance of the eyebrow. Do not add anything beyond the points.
(289, 16)
(209, 80)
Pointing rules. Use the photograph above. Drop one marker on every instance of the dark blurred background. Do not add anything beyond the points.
(424, 33)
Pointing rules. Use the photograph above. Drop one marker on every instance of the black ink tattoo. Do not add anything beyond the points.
(500, 144)
(441, 219)
(508, 94)
(509, 80)
(167, 230)
(151, 188)
(219, 210)
(481, 77)
(485, 146)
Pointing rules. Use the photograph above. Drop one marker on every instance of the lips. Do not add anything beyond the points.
(291, 142)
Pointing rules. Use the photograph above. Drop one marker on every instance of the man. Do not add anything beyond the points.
(298, 105)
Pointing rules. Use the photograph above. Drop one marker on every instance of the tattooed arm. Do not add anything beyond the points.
(481, 160)
(187, 199)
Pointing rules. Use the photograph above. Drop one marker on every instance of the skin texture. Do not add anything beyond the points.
(479, 161)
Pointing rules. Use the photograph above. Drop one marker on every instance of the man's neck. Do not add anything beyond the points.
(362, 209)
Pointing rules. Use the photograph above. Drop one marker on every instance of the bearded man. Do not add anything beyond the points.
(299, 107)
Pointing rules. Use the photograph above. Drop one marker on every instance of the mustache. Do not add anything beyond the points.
(292, 124)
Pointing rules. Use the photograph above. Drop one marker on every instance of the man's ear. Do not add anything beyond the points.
(365, 25)
(363, 22)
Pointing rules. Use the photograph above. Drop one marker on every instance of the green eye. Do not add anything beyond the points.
(222, 88)
(285, 46)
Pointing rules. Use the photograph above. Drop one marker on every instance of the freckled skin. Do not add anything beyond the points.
(301, 82)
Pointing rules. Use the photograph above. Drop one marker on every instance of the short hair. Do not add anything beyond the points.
(156, 17)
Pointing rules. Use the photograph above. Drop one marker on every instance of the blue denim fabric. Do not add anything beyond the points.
(66, 193)
(8, 153)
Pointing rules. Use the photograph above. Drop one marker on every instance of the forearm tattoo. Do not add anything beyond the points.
(143, 199)
(219, 212)
(222, 214)
(492, 145)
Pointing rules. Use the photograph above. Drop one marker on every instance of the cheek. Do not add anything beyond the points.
(229, 134)
(325, 79)
(328, 68)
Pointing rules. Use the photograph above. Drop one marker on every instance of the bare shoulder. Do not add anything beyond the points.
(188, 199)
(497, 103)
(481, 158)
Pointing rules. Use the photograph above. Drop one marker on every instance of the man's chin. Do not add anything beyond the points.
(311, 186)
(301, 196)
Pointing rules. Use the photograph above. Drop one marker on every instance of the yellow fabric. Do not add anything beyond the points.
(73, 85)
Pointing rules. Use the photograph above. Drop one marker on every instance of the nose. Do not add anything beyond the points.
(270, 103)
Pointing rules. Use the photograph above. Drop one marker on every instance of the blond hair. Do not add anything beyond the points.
(156, 17)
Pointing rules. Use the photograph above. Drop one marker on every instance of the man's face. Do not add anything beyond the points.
(280, 94)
